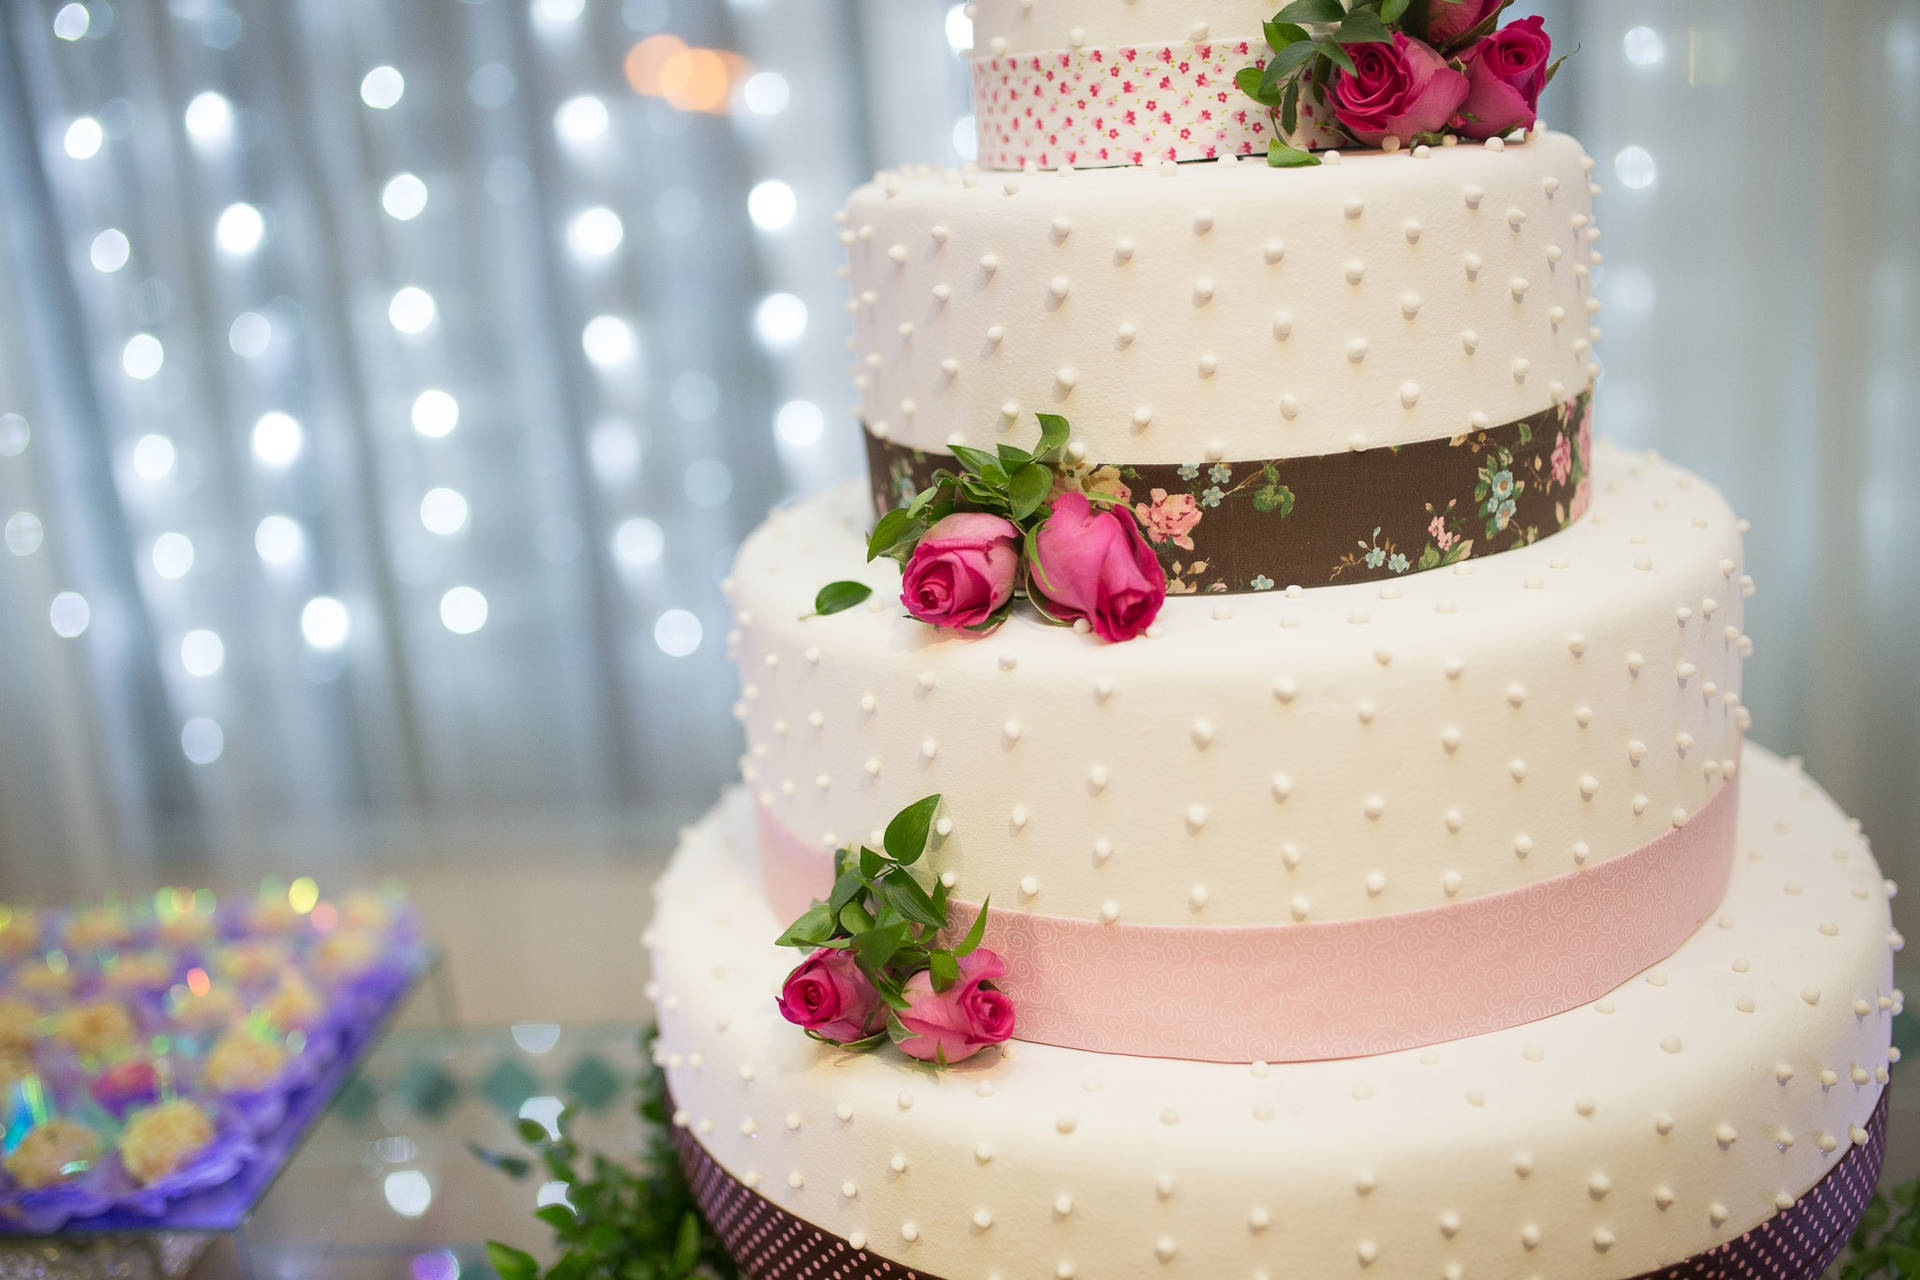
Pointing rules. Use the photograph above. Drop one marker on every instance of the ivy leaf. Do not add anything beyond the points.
(837, 597)
(511, 1263)
(1282, 156)
(977, 461)
(813, 928)
(1028, 489)
(1391, 10)
(1054, 431)
(1337, 55)
(1363, 26)
(1314, 11)
(978, 930)
(906, 837)
(1281, 34)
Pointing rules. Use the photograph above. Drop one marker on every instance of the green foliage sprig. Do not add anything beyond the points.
(621, 1223)
(879, 913)
(1886, 1244)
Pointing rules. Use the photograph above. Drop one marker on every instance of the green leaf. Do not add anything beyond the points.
(1287, 63)
(1391, 10)
(945, 969)
(901, 526)
(557, 1216)
(814, 927)
(1012, 458)
(686, 1248)
(849, 885)
(1029, 488)
(1272, 495)
(837, 597)
(1251, 82)
(977, 461)
(870, 863)
(906, 837)
(511, 1263)
(975, 932)
(1281, 34)
(1054, 431)
(531, 1132)
(1290, 107)
(1553, 68)
(1338, 55)
(1363, 26)
(1282, 156)
(876, 946)
(513, 1166)
(906, 896)
(855, 918)
(1314, 11)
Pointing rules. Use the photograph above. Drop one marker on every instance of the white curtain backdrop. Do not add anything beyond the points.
(247, 558)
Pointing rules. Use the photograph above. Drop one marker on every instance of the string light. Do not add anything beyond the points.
(325, 623)
(239, 229)
(153, 457)
(23, 533)
(277, 440)
(1635, 167)
(278, 540)
(638, 542)
(463, 610)
(799, 423)
(558, 12)
(595, 232)
(202, 653)
(404, 197)
(209, 119)
(959, 29)
(249, 334)
(581, 120)
(173, 556)
(84, 138)
(608, 341)
(69, 615)
(676, 633)
(766, 93)
(443, 511)
(435, 413)
(780, 321)
(1644, 46)
(109, 251)
(382, 87)
(202, 740)
(412, 310)
(142, 357)
(71, 22)
(771, 205)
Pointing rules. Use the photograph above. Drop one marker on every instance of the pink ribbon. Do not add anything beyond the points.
(1337, 988)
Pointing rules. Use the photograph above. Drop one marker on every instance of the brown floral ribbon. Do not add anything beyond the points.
(1798, 1243)
(1234, 527)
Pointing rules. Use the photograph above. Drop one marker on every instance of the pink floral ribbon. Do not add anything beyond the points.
(1339, 988)
(1124, 105)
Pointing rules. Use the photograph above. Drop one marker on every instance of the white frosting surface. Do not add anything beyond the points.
(1169, 312)
(1021, 26)
(1344, 751)
(1672, 1115)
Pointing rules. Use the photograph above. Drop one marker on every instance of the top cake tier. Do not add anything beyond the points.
(1225, 310)
(1033, 26)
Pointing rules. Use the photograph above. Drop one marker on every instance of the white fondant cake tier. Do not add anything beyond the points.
(1341, 752)
(1668, 1117)
(1200, 311)
(1032, 26)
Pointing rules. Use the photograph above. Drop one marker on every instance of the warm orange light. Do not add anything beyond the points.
(198, 982)
(645, 60)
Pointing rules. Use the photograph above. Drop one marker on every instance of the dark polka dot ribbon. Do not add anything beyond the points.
(1798, 1243)
(1226, 527)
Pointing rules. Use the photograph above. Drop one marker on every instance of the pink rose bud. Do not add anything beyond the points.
(1505, 74)
(1094, 564)
(953, 1025)
(1448, 20)
(829, 996)
(962, 570)
(1403, 89)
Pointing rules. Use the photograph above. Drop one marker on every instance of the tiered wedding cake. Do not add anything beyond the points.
(1408, 902)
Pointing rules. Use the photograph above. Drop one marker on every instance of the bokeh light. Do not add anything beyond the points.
(202, 652)
(69, 615)
(72, 21)
(154, 456)
(173, 555)
(382, 87)
(23, 533)
(209, 119)
(638, 542)
(677, 633)
(780, 321)
(581, 120)
(1644, 46)
(463, 610)
(110, 250)
(325, 623)
(279, 540)
(1635, 166)
(239, 230)
(608, 341)
(142, 357)
(799, 423)
(84, 138)
(771, 205)
(595, 232)
(443, 511)
(249, 334)
(202, 740)
(411, 310)
(766, 93)
(404, 197)
(435, 413)
(277, 440)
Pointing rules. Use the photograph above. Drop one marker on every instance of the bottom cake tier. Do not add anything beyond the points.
(1663, 1121)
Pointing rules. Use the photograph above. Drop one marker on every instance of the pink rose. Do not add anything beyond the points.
(1562, 458)
(953, 1025)
(962, 570)
(829, 996)
(1170, 517)
(1095, 565)
(1402, 89)
(1448, 20)
(1505, 74)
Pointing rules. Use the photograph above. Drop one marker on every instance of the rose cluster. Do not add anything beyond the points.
(1008, 524)
(875, 970)
(1451, 82)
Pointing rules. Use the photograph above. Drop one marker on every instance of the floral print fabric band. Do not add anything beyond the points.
(1797, 1243)
(1126, 105)
(1234, 527)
